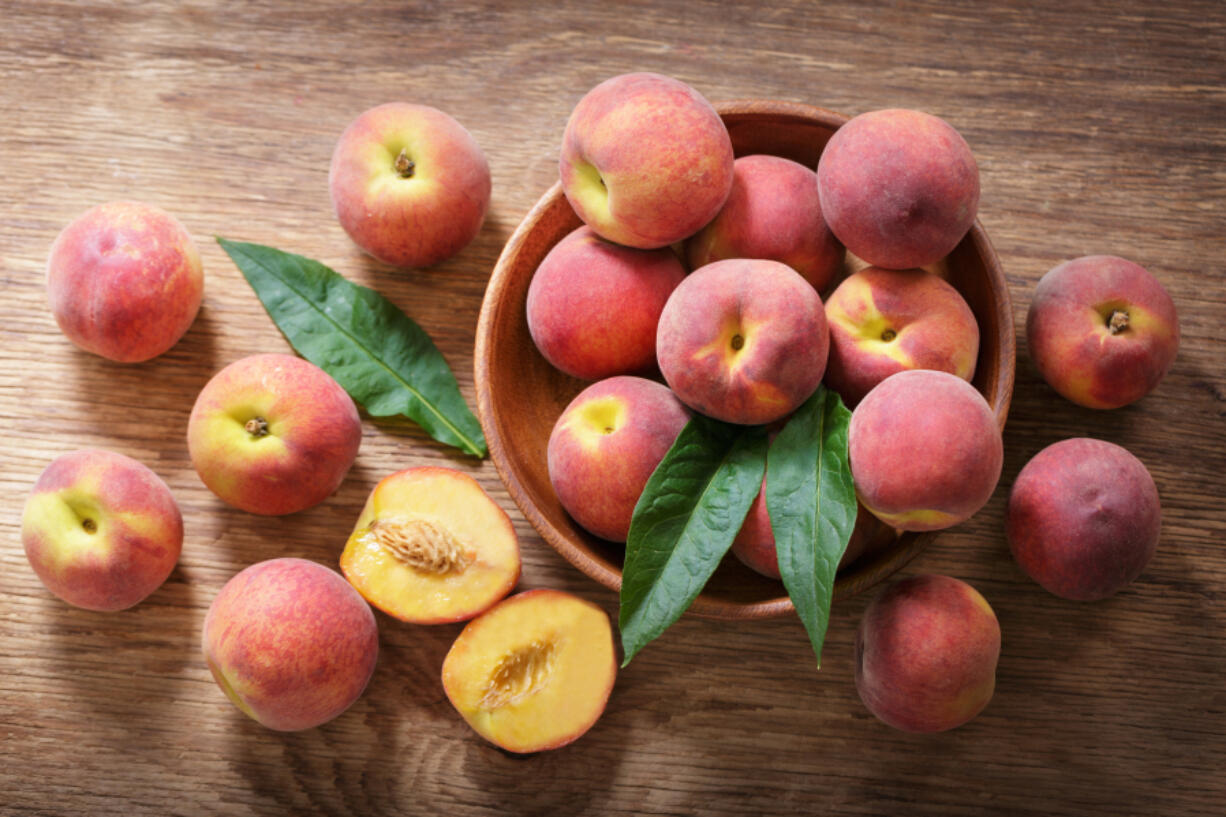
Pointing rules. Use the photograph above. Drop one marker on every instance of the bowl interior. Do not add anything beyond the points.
(520, 395)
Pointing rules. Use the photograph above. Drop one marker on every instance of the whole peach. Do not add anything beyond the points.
(605, 446)
(594, 306)
(926, 654)
(884, 321)
(925, 450)
(273, 434)
(772, 212)
(899, 188)
(743, 340)
(101, 530)
(1102, 331)
(291, 643)
(754, 544)
(646, 161)
(124, 281)
(1084, 518)
(409, 184)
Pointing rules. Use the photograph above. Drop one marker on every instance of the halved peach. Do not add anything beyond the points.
(431, 547)
(534, 672)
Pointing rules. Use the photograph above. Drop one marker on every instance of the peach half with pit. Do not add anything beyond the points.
(124, 281)
(773, 212)
(743, 341)
(886, 321)
(1102, 331)
(926, 654)
(594, 306)
(290, 642)
(101, 530)
(925, 450)
(605, 446)
(534, 672)
(431, 546)
(899, 188)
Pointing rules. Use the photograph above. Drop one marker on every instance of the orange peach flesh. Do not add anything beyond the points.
(534, 672)
(430, 546)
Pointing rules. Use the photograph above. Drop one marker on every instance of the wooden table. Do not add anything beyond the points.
(1098, 128)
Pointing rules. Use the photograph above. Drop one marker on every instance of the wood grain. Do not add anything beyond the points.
(1099, 127)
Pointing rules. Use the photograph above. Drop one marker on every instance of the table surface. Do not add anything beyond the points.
(1098, 127)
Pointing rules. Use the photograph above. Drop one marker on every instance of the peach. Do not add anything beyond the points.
(772, 212)
(534, 672)
(605, 446)
(885, 321)
(899, 188)
(291, 643)
(1102, 331)
(1084, 518)
(273, 434)
(925, 450)
(430, 546)
(124, 281)
(646, 161)
(409, 184)
(754, 544)
(743, 341)
(101, 530)
(926, 654)
(593, 306)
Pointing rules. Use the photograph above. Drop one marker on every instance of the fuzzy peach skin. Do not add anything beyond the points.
(1102, 331)
(1084, 518)
(409, 184)
(772, 212)
(594, 306)
(743, 340)
(646, 161)
(124, 281)
(432, 547)
(926, 654)
(899, 188)
(754, 544)
(925, 450)
(885, 321)
(101, 530)
(605, 446)
(291, 643)
(534, 672)
(273, 434)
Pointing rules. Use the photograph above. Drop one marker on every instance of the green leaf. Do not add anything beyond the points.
(812, 506)
(377, 353)
(684, 522)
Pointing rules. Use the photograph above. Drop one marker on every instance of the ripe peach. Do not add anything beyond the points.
(1084, 518)
(291, 643)
(605, 446)
(1102, 331)
(743, 341)
(772, 212)
(273, 434)
(593, 306)
(899, 188)
(926, 653)
(101, 530)
(430, 546)
(409, 184)
(884, 321)
(645, 161)
(124, 281)
(534, 672)
(754, 544)
(925, 450)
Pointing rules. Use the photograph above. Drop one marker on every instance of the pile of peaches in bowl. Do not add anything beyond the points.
(726, 260)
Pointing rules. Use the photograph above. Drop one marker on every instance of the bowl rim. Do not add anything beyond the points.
(861, 575)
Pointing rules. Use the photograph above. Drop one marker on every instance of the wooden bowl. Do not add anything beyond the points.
(520, 396)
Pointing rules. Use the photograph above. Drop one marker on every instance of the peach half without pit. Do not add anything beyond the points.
(534, 672)
(431, 547)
